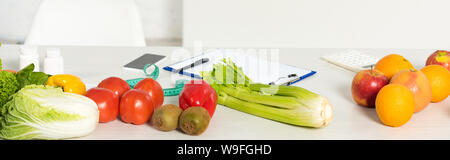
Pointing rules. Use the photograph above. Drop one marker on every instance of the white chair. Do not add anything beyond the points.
(87, 23)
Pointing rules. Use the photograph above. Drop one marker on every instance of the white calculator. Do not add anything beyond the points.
(352, 60)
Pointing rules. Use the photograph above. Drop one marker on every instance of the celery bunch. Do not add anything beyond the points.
(287, 104)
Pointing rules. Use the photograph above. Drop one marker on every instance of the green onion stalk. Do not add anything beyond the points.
(287, 104)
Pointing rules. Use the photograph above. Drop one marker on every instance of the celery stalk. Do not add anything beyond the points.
(273, 100)
(301, 94)
(317, 116)
(281, 90)
(287, 104)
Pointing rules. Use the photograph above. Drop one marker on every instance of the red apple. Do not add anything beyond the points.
(440, 57)
(366, 85)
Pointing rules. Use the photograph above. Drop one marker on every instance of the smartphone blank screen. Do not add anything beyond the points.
(147, 58)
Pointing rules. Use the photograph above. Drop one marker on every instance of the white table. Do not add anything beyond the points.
(351, 121)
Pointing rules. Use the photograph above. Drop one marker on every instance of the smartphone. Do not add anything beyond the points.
(141, 61)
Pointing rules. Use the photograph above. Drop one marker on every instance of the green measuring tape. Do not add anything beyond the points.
(154, 75)
(179, 84)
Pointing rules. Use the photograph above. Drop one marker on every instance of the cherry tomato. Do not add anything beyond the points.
(107, 102)
(115, 84)
(153, 88)
(136, 107)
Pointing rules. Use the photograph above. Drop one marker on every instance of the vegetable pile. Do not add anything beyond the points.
(35, 105)
(288, 104)
(115, 98)
(30, 108)
(143, 103)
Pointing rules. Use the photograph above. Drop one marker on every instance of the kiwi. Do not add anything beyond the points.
(165, 118)
(194, 120)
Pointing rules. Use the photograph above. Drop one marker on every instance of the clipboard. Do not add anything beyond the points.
(260, 69)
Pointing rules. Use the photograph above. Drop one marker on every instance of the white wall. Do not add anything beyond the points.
(161, 19)
(318, 23)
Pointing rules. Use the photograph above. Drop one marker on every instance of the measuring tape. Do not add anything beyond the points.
(179, 84)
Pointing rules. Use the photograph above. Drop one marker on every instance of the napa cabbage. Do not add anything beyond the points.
(44, 112)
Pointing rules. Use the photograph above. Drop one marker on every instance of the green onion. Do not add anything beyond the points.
(287, 104)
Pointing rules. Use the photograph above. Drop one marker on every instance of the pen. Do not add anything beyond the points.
(196, 63)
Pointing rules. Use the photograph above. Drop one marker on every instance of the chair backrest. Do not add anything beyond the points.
(87, 22)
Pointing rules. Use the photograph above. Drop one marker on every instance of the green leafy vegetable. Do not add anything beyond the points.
(8, 86)
(288, 104)
(44, 112)
(26, 76)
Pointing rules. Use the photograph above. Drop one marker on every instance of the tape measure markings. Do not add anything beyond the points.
(179, 84)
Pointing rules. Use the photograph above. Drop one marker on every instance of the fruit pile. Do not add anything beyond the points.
(144, 103)
(397, 90)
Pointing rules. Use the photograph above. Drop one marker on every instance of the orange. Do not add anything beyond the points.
(394, 105)
(418, 84)
(439, 78)
(392, 64)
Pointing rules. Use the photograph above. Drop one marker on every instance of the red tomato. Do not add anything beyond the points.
(136, 107)
(107, 102)
(115, 84)
(153, 88)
